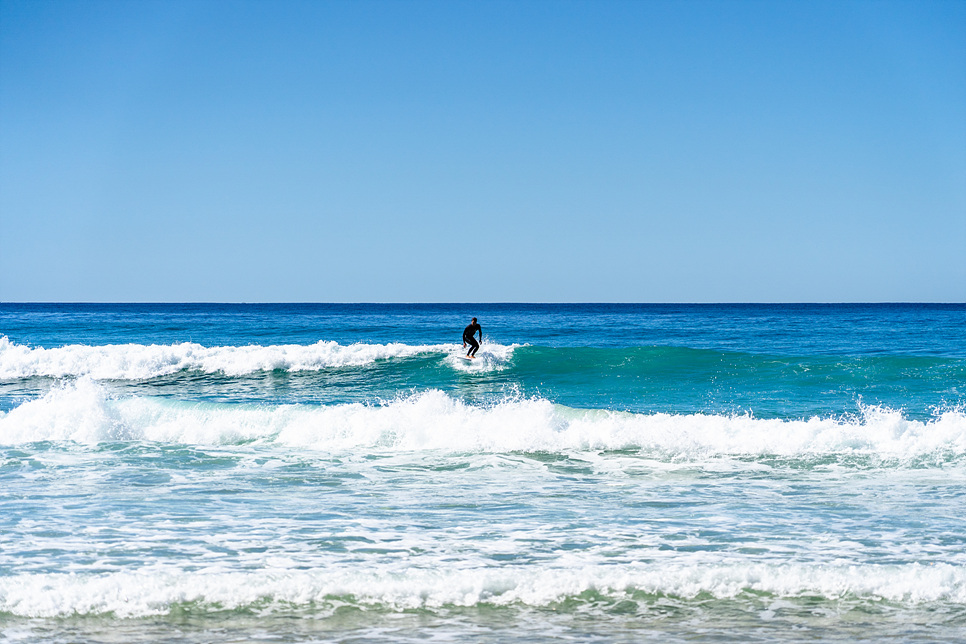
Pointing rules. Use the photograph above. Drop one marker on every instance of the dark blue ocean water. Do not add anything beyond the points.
(787, 329)
(314, 472)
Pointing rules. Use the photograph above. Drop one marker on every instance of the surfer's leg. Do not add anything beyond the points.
(474, 345)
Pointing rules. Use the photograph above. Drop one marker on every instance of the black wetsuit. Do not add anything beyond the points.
(468, 338)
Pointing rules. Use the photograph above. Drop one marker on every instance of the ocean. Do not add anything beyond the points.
(600, 473)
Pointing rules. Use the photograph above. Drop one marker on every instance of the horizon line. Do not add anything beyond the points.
(493, 303)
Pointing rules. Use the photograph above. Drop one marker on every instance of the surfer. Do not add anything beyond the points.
(468, 334)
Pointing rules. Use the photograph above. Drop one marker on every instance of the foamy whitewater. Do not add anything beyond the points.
(222, 473)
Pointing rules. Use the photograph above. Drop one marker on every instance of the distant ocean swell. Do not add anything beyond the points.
(159, 590)
(84, 411)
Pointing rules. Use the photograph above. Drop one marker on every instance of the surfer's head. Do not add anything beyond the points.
(473, 320)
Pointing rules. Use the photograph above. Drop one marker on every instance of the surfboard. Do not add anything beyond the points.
(466, 358)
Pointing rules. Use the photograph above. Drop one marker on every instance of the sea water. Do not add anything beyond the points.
(600, 473)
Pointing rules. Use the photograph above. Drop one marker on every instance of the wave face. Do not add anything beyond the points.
(223, 473)
(140, 362)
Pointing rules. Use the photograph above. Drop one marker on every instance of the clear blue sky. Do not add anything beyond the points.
(483, 151)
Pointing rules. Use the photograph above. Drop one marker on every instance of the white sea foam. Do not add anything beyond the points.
(84, 411)
(490, 357)
(155, 591)
(139, 361)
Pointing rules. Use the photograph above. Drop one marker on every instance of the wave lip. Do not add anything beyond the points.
(157, 591)
(83, 411)
(139, 361)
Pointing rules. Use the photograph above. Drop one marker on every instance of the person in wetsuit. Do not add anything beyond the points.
(468, 334)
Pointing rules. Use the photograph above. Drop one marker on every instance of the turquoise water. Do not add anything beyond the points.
(222, 473)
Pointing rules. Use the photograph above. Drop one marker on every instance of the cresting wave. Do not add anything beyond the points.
(85, 412)
(139, 361)
(156, 591)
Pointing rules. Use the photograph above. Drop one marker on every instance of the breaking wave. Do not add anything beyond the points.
(140, 361)
(157, 591)
(85, 411)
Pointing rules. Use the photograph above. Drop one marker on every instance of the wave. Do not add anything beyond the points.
(158, 590)
(84, 411)
(673, 364)
(139, 361)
